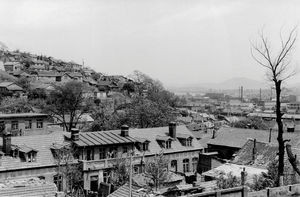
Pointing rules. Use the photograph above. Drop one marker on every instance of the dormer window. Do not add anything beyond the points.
(168, 144)
(25, 153)
(31, 156)
(164, 141)
(143, 144)
(185, 140)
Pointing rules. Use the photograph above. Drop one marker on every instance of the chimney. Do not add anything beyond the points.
(7, 143)
(124, 131)
(74, 134)
(214, 133)
(254, 150)
(270, 135)
(242, 92)
(172, 130)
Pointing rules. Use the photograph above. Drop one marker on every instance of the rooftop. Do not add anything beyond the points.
(237, 137)
(22, 115)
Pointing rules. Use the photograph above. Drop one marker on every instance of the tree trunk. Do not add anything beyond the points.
(280, 132)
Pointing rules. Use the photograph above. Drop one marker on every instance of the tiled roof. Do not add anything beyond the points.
(23, 148)
(265, 153)
(48, 74)
(236, 137)
(163, 138)
(6, 84)
(235, 170)
(184, 136)
(41, 143)
(103, 138)
(22, 115)
(124, 192)
(27, 188)
(154, 147)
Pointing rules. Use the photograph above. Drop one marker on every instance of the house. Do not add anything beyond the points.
(208, 161)
(106, 86)
(47, 76)
(25, 123)
(12, 66)
(10, 88)
(259, 154)
(19, 74)
(84, 120)
(68, 76)
(31, 157)
(98, 150)
(27, 187)
(235, 170)
(228, 141)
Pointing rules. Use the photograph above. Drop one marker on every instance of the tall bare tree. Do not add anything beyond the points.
(278, 69)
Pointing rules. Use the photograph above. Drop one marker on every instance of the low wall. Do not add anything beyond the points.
(290, 190)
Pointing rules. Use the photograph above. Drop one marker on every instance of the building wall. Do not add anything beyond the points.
(46, 78)
(21, 126)
(174, 156)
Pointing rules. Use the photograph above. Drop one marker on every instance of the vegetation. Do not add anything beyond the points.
(251, 123)
(157, 169)
(121, 172)
(278, 70)
(66, 103)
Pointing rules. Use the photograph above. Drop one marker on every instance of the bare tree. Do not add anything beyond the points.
(278, 69)
(157, 169)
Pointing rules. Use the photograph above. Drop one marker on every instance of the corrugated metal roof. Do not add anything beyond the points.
(103, 138)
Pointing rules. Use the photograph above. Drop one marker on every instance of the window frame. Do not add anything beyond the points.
(186, 165)
(29, 126)
(39, 122)
(14, 125)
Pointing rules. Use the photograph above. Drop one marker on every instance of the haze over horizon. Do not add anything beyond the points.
(177, 42)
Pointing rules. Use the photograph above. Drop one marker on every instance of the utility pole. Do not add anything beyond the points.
(130, 174)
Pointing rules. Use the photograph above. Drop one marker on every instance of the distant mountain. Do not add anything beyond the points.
(233, 83)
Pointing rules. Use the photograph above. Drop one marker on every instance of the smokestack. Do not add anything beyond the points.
(260, 94)
(74, 134)
(270, 135)
(214, 133)
(124, 131)
(172, 130)
(7, 143)
(242, 93)
(254, 150)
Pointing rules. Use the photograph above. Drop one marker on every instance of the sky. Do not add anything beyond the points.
(179, 42)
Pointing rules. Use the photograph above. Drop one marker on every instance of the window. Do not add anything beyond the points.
(94, 183)
(186, 165)
(39, 123)
(28, 124)
(145, 146)
(102, 154)
(58, 181)
(174, 165)
(14, 125)
(113, 152)
(105, 176)
(89, 154)
(189, 142)
(195, 164)
(125, 149)
(168, 144)
(31, 156)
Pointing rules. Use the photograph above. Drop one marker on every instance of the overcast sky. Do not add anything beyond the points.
(175, 41)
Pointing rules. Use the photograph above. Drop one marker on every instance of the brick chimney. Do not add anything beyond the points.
(254, 150)
(124, 131)
(6, 143)
(172, 130)
(74, 134)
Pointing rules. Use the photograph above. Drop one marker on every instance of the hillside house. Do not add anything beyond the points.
(12, 66)
(47, 76)
(25, 123)
(10, 88)
(69, 76)
(98, 150)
